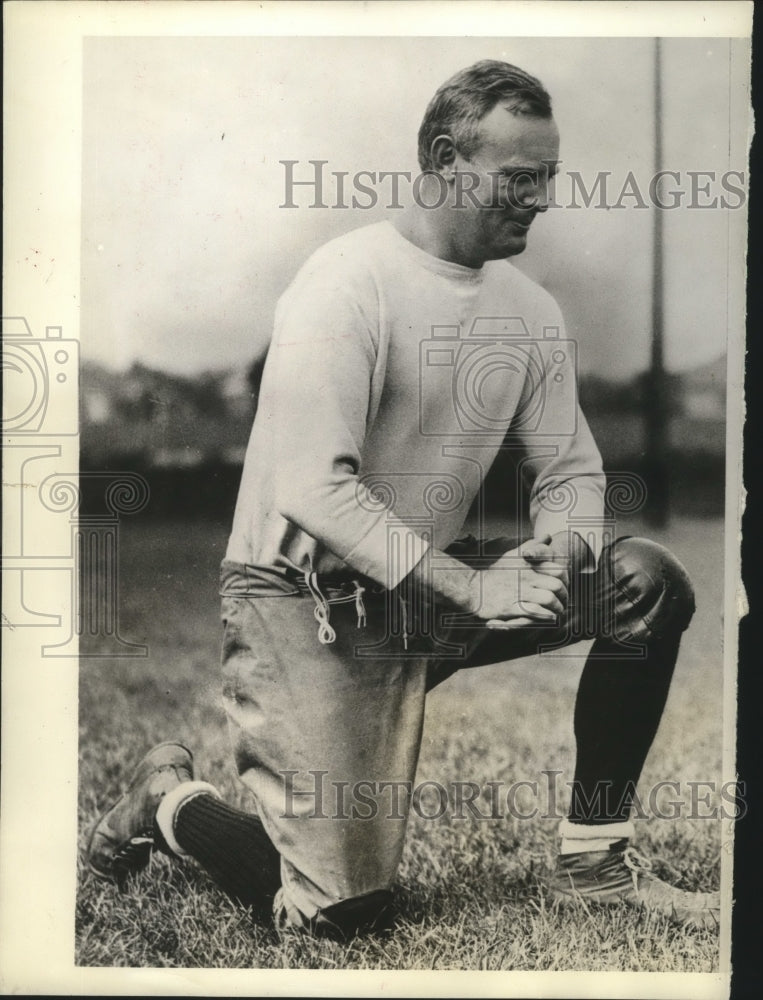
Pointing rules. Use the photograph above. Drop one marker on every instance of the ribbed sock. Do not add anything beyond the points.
(618, 709)
(232, 846)
(167, 809)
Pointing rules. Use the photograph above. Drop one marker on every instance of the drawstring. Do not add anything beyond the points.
(322, 611)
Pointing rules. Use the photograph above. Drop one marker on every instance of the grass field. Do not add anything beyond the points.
(469, 896)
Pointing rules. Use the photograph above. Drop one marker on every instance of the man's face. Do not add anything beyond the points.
(510, 171)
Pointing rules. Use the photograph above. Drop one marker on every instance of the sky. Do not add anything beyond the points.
(186, 246)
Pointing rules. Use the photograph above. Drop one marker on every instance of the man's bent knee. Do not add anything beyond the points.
(655, 586)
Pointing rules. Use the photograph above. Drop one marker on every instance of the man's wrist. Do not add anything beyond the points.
(439, 578)
(458, 585)
(572, 547)
(473, 600)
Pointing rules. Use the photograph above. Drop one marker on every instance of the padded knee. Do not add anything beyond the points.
(340, 921)
(350, 917)
(655, 584)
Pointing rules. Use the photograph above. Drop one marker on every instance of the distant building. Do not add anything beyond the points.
(159, 420)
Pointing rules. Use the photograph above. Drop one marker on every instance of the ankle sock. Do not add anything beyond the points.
(580, 838)
(168, 809)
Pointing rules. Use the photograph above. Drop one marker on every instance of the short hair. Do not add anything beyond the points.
(461, 103)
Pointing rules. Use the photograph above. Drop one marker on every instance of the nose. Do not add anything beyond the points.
(533, 193)
(533, 202)
(540, 194)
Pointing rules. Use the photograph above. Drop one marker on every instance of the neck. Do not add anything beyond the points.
(439, 233)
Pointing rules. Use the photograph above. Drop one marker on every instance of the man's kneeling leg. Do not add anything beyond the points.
(644, 602)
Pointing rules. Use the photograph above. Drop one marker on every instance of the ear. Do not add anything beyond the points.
(443, 154)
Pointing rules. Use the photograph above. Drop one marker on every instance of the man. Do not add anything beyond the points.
(347, 593)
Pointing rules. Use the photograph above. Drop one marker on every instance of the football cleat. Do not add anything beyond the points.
(123, 837)
(622, 875)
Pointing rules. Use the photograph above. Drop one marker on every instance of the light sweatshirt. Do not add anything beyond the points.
(391, 381)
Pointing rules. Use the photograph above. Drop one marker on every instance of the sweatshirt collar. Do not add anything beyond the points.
(448, 268)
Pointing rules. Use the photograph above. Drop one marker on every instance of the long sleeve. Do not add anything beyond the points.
(562, 460)
(320, 371)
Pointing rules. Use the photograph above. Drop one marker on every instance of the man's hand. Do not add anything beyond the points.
(525, 586)
(549, 556)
